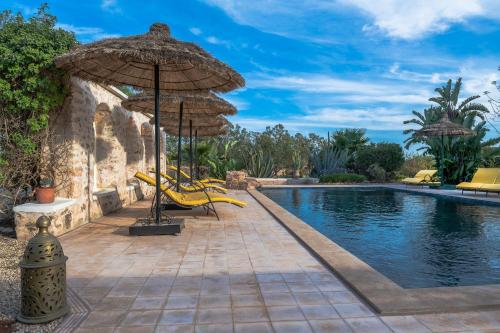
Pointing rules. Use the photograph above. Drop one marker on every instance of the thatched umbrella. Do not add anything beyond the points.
(197, 109)
(154, 60)
(443, 127)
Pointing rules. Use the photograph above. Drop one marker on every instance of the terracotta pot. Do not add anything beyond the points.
(45, 195)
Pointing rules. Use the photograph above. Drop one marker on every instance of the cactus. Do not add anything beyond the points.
(298, 163)
(330, 160)
(260, 164)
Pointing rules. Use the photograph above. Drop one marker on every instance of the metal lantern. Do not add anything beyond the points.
(43, 277)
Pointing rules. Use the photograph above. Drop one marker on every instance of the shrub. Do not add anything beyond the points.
(377, 173)
(342, 178)
(389, 156)
(415, 163)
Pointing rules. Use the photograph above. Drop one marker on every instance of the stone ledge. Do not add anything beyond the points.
(34, 207)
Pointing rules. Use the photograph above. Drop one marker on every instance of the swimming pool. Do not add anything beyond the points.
(416, 240)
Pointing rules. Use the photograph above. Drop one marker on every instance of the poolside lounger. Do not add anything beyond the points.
(196, 187)
(423, 177)
(193, 199)
(485, 180)
(205, 180)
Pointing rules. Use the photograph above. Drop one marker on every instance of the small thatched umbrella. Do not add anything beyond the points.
(154, 60)
(197, 109)
(443, 127)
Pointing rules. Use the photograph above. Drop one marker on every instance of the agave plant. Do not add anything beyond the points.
(260, 164)
(330, 160)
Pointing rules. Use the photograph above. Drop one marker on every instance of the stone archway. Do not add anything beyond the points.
(107, 156)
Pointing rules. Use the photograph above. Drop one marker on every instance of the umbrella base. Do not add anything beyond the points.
(149, 227)
(173, 206)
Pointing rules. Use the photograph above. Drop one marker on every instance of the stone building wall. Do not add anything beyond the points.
(107, 144)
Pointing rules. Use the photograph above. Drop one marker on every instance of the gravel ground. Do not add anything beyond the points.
(10, 295)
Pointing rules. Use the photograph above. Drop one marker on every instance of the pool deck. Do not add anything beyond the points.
(244, 273)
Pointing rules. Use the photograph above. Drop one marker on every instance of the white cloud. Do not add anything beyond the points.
(396, 18)
(341, 90)
(86, 34)
(216, 41)
(414, 19)
(196, 31)
(110, 6)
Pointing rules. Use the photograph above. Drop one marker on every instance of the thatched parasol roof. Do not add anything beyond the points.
(444, 127)
(198, 122)
(202, 131)
(130, 60)
(200, 103)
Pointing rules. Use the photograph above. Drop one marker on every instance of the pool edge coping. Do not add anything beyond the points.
(382, 294)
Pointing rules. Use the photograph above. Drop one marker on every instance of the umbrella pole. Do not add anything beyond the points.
(441, 165)
(191, 149)
(197, 176)
(157, 144)
(181, 111)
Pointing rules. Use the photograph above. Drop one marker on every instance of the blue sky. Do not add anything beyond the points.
(316, 66)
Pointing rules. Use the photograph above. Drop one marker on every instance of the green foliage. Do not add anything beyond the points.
(415, 163)
(351, 139)
(462, 155)
(261, 164)
(388, 156)
(329, 159)
(31, 90)
(219, 159)
(376, 173)
(342, 178)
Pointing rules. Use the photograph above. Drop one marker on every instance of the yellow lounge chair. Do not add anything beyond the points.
(194, 199)
(423, 177)
(485, 179)
(205, 180)
(196, 187)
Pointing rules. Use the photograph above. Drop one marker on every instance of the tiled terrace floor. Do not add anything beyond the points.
(245, 273)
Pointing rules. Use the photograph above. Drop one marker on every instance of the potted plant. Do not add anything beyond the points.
(45, 192)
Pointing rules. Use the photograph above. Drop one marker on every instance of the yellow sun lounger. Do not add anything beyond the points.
(423, 177)
(194, 199)
(196, 187)
(205, 180)
(485, 180)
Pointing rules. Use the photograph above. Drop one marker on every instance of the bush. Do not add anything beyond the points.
(389, 156)
(377, 173)
(414, 164)
(342, 178)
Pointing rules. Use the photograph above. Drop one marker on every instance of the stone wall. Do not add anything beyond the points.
(107, 145)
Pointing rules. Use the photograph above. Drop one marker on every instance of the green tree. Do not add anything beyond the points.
(388, 156)
(462, 155)
(31, 90)
(351, 139)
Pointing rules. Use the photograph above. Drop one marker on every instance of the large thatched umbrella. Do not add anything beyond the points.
(196, 109)
(154, 60)
(443, 127)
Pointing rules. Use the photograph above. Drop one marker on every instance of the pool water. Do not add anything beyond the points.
(413, 239)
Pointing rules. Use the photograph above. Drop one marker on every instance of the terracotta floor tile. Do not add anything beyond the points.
(177, 317)
(367, 325)
(253, 328)
(250, 314)
(330, 326)
(291, 327)
(282, 313)
(214, 316)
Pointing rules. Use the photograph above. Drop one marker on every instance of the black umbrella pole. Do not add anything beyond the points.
(157, 144)
(191, 149)
(181, 111)
(197, 176)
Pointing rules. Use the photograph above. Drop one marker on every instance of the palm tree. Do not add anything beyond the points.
(462, 155)
(350, 138)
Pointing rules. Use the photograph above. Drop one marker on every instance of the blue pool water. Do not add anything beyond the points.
(415, 240)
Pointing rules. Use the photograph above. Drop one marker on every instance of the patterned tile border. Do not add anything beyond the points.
(79, 310)
(385, 296)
